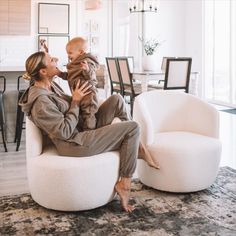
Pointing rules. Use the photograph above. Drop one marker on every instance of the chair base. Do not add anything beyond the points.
(188, 162)
(72, 183)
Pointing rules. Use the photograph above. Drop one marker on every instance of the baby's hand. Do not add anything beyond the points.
(84, 65)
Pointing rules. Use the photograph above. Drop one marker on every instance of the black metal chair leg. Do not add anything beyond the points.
(2, 114)
(20, 127)
(18, 113)
(3, 137)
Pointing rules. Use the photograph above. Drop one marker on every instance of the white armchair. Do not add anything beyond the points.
(68, 183)
(180, 132)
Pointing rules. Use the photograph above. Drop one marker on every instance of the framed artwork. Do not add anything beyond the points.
(55, 45)
(91, 31)
(53, 18)
(94, 27)
(94, 41)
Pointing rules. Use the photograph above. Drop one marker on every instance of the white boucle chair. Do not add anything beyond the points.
(68, 183)
(181, 132)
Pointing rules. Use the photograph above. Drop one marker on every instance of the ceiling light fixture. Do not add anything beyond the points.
(143, 6)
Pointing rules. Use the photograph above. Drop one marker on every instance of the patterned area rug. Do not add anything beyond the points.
(208, 212)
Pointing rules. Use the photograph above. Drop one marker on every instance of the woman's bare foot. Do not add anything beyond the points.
(123, 190)
(145, 155)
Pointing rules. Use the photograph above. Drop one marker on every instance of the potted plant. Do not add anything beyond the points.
(149, 46)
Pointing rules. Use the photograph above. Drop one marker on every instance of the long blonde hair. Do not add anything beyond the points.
(33, 65)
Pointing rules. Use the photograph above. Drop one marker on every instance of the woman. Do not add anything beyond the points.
(57, 115)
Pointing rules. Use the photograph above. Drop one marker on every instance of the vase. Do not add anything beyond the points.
(149, 62)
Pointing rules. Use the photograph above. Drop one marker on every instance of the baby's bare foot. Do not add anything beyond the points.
(124, 194)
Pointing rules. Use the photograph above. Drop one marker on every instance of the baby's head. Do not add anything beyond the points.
(76, 47)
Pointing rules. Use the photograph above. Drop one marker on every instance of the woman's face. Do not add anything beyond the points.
(51, 66)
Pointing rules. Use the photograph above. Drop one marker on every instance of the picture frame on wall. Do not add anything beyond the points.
(53, 18)
(55, 45)
(94, 27)
(91, 34)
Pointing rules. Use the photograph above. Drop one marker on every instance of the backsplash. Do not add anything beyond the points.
(14, 50)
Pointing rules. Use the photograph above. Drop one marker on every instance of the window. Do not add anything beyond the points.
(220, 53)
(15, 17)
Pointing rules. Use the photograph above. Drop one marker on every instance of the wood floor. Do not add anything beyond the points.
(13, 175)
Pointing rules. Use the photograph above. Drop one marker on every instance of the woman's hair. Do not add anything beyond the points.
(33, 65)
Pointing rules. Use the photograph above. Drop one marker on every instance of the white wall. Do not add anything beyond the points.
(15, 49)
(100, 17)
(177, 23)
(194, 38)
(168, 25)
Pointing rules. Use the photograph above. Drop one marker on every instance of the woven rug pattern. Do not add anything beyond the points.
(208, 212)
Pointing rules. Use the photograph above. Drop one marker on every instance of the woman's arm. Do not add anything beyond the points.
(47, 116)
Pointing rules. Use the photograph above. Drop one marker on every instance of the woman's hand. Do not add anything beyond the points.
(80, 92)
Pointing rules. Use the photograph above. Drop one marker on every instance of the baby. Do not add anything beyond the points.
(83, 67)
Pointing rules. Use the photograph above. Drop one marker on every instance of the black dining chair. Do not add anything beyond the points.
(163, 66)
(2, 111)
(20, 123)
(177, 73)
(114, 75)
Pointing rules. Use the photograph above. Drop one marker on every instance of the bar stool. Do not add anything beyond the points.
(2, 113)
(20, 123)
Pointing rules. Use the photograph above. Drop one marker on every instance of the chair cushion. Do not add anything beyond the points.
(181, 145)
(180, 140)
(185, 150)
(188, 162)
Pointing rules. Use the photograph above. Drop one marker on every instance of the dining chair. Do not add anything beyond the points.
(113, 72)
(129, 88)
(130, 62)
(2, 113)
(163, 63)
(177, 73)
(163, 66)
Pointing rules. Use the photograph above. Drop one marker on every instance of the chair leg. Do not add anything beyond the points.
(2, 121)
(17, 126)
(3, 136)
(18, 113)
(20, 127)
(131, 105)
